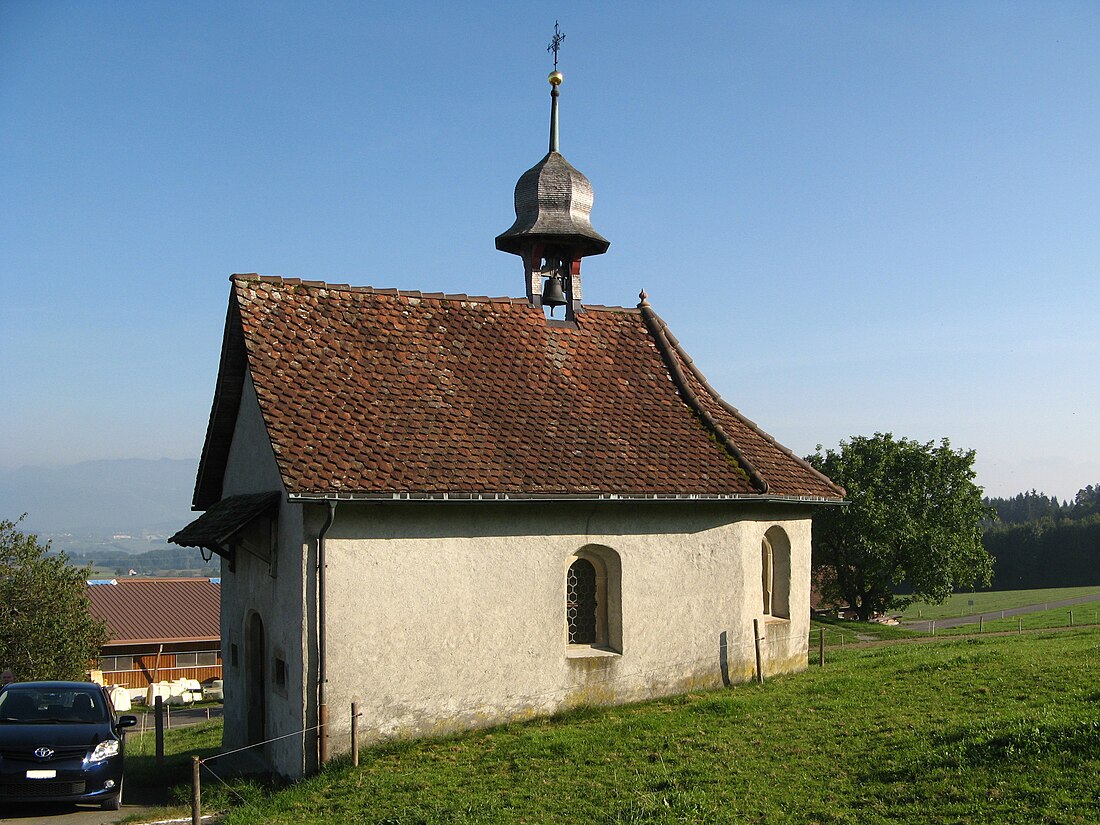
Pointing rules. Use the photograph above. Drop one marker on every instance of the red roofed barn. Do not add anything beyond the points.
(159, 630)
(456, 511)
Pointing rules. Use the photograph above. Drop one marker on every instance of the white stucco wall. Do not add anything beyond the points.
(445, 616)
(281, 601)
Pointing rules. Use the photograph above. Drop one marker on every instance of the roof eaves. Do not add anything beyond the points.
(160, 641)
(463, 498)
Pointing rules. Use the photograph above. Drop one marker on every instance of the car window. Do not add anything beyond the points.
(52, 705)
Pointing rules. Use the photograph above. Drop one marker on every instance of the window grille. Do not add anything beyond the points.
(580, 602)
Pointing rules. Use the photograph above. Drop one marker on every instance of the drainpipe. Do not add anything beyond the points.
(322, 675)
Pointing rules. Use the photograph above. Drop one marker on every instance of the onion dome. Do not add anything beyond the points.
(553, 202)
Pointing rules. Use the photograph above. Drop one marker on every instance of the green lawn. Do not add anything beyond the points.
(959, 603)
(991, 730)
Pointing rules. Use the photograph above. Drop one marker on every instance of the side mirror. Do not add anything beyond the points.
(126, 722)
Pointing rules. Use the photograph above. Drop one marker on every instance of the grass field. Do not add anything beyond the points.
(1083, 614)
(991, 730)
(959, 603)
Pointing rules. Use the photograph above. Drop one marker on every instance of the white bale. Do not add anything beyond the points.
(161, 689)
(120, 698)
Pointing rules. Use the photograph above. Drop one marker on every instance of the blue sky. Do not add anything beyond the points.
(857, 217)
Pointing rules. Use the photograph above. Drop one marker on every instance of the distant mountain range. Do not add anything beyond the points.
(125, 497)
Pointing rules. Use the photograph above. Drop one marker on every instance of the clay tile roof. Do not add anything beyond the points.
(382, 392)
(158, 610)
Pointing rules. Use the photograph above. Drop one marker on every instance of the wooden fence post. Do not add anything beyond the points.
(158, 726)
(981, 623)
(821, 647)
(1071, 618)
(1020, 625)
(196, 793)
(756, 637)
(354, 735)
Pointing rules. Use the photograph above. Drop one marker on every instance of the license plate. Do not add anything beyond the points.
(41, 774)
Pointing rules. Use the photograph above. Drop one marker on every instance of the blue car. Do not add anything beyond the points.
(61, 742)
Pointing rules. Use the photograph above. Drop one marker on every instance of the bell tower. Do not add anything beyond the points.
(553, 230)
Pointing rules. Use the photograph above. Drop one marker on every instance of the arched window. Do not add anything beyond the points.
(593, 615)
(775, 573)
(581, 602)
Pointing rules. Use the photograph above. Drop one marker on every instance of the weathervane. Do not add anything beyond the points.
(555, 44)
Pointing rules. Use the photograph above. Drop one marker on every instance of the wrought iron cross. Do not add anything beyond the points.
(555, 44)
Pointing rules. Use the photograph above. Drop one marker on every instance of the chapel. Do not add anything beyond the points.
(456, 511)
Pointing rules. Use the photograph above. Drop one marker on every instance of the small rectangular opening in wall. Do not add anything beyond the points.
(233, 655)
(280, 673)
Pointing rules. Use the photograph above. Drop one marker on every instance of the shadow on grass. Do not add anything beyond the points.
(150, 784)
(1024, 739)
(1025, 742)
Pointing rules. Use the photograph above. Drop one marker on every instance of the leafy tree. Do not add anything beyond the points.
(913, 521)
(46, 627)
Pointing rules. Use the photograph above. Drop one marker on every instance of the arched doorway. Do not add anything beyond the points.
(254, 687)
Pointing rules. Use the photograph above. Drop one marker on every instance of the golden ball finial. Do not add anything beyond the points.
(556, 78)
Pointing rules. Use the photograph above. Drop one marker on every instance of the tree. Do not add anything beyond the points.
(913, 521)
(46, 627)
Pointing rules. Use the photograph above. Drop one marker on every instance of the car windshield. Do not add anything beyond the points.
(33, 705)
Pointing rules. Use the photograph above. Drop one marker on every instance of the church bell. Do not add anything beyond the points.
(552, 294)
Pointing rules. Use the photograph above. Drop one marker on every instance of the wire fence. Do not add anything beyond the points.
(1008, 620)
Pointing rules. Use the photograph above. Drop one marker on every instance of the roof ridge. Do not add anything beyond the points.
(407, 293)
(161, 579)
(748, 422)
(403, 293)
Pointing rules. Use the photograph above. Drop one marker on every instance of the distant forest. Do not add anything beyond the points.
(1038, 541)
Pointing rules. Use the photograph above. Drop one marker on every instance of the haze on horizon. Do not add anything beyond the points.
(856, 217)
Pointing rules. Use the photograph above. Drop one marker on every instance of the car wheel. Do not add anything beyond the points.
(115, 802)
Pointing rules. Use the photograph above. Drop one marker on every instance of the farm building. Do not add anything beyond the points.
(161, 629)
